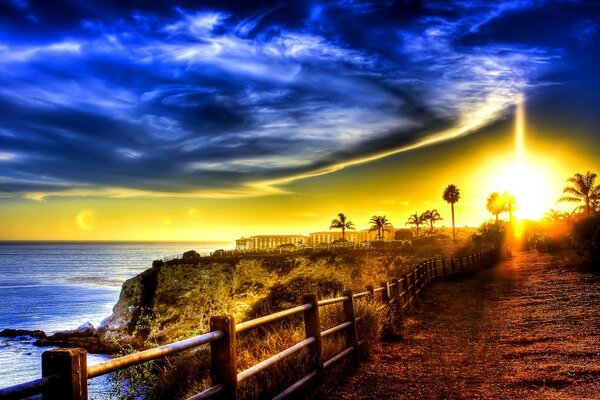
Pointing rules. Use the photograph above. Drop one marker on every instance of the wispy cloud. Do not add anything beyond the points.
(176, 101)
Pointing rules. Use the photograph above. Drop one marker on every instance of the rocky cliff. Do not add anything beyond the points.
(175, 300)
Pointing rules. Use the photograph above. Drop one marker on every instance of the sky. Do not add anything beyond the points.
(164, 120)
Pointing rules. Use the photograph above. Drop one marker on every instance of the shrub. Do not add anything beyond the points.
(190, 255)
(157, 263)
(403, 234)
(585, 230)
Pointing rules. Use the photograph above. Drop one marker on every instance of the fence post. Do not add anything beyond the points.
(461, 263)
(385, 293)
(371, 292)
(444, 272)
(312, 328)
(405, 290)
(429, 270)
(352, 331)
(397, 296)
(71, 366)
(414, 286)
(223, 357)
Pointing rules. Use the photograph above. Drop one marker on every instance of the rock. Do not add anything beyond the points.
(13, 333)
(85, 336)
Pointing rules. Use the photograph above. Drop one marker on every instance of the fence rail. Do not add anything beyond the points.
(66, 373)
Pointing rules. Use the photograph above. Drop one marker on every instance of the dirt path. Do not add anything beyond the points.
(527, 328)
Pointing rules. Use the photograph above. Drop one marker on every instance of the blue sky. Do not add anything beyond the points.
(220, 99)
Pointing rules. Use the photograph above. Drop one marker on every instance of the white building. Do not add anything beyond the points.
(261, 242)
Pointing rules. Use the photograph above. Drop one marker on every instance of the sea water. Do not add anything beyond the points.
(58, 286)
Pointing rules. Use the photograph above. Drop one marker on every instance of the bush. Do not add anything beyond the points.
(489, 234)
(377, 244)
(190, 255)
(157, 263)
(403, 234)
(585, 230)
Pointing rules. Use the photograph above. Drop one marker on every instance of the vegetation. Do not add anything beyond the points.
(581, 189)
(380, 224)
(341, 223)
(451, 195)
(190, 255)
(415, 220)
(498, 203)
(403, 234)
(495, 205)
(254, 287)
(431, 216)
(579, 228)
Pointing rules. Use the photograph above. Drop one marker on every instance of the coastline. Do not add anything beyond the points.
(56, 286)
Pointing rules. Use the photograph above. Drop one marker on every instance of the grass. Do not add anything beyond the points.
(187, 373)
(187, 295)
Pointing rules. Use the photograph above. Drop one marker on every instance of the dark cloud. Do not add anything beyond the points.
(157, 97)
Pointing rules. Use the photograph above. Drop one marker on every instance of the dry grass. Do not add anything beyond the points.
(188, 373)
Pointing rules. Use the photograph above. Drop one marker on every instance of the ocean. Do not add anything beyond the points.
(55, 286)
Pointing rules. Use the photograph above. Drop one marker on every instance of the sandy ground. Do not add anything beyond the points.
(528, 328)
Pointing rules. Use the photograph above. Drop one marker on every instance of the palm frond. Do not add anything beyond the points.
(569, 199)
(573, 191)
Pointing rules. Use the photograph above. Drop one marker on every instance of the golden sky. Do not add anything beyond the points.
(395, 186)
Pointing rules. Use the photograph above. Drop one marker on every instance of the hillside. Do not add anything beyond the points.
(175, 300)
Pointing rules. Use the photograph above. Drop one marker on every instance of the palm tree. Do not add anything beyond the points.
(433, 217)
(415, 220)
(582, 189)
(451, 195)
(553, 215)
(425, 216)
(380, 224)
(342, 223)
(509, 203)
(495, 205)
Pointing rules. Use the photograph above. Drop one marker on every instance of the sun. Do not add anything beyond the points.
(533, 184)
(530, 178)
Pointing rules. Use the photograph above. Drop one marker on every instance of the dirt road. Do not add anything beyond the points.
(527, 328)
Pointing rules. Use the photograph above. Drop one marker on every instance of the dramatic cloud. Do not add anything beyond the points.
(116, 100)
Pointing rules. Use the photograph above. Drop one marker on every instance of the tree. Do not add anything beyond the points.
(494, 205)
(509, 204)
(425, 217)
(451, 195)
(380, 224)
(582, 189)
(553, 215)
(341, 223)
(416, 221)
(433, 216)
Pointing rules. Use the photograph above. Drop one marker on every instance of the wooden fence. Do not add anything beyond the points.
(65, 372)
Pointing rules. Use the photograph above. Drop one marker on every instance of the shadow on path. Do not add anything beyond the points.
(527, 328)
